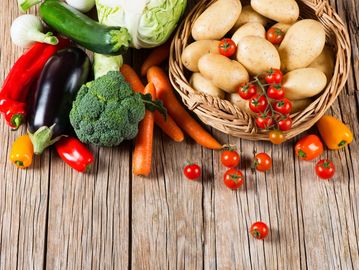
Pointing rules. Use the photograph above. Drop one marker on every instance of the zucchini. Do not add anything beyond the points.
(83, 30)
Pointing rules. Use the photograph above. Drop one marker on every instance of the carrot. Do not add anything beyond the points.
(132, 78)
(165, 93)
(156, 57)
(168, 126)
(142, 155)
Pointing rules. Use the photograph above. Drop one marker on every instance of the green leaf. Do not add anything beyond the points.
(154, 105)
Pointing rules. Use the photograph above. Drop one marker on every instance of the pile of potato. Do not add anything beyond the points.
(307, 64)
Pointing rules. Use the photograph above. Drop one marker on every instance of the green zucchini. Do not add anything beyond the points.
(83, 30)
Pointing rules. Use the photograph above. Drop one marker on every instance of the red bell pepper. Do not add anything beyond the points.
(75, 154)
(23, 74)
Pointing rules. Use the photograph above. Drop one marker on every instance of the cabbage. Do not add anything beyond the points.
(150, 22)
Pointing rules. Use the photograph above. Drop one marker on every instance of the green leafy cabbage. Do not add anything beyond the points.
(150, 22)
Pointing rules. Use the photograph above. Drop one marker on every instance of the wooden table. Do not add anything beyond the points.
(52, 217)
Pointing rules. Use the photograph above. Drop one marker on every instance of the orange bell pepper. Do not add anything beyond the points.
(334, 133)
(22, 152)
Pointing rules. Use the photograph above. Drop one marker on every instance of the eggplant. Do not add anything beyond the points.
(63, 75)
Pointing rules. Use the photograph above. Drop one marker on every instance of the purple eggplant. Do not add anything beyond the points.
(63, 75)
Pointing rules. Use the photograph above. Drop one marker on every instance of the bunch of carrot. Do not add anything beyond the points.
(160, 87)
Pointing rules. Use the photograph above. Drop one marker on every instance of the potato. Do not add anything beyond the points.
(217, 20)
(201, 84)
(236, 100)
(249, 15)
(300, 104)
(224, 73)
(249, 29)
(193, 52)
(304, 83)
(325, 62)
(302, 44)
(283, 26)
(257, 54)
(285, 11)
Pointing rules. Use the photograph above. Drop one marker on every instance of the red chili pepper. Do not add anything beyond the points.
(75, 154)
(17, 85)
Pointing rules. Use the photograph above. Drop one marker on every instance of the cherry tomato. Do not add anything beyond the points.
(247, 90)
(275, 91)
(230, 158)
(275, 35)
(258, 103)
(283, 106)
(325, 169)
(264, 121)
(259, 230)
(276, 137)
(233, 179)
(227, 47)
(274, 76)
(309, 147)
(285, 124)
(262, 162)
(192, 171)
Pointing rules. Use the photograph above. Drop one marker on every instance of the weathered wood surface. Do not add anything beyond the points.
(52, 217)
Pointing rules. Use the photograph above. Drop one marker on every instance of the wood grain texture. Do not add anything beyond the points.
(54, 218)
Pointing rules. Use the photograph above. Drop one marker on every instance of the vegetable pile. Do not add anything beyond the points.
(52, 87)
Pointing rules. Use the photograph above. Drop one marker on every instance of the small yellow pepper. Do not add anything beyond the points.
(334, 133)
(22, 152)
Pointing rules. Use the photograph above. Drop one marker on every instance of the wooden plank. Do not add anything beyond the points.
(88, 225)
(23, 193)
(167, 225)
(329, 210)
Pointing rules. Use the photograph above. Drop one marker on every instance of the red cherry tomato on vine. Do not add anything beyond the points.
(230, 158)
(233, 179)
(275, 35)
(262, 162)
(227, 47)
(283, 106)
(275, 91)
(192, 171)
(264, 121)
(247, 90)
(258, 103)
(276, 137)
(274, 76)
(259, 230)
(285, 124)
(325, 169)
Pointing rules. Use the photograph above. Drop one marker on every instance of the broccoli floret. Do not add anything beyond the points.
(106, 111)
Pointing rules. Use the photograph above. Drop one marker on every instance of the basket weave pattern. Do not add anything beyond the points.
(226, 117)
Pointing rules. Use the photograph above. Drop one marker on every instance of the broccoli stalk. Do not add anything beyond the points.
(107, 111)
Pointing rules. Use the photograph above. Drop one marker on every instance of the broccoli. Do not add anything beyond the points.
(107, 111)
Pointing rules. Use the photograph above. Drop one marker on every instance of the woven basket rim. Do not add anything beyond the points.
(228, 118)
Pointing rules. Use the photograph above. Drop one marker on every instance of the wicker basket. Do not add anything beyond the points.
(228, 118)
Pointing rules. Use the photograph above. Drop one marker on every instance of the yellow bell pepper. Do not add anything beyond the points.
(334, 133)
(22, 152)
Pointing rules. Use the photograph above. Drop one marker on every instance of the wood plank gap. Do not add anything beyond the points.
(299, 207)
(130, 178)
(47, 213)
